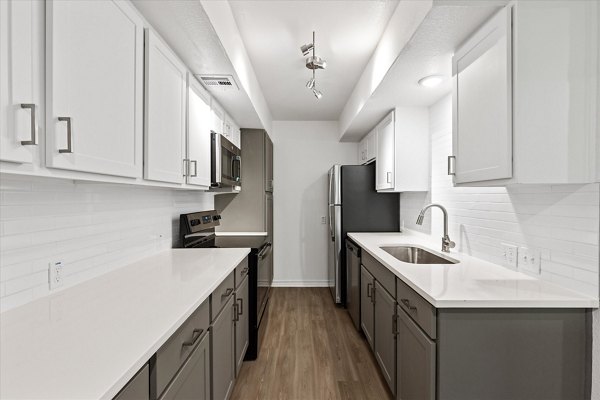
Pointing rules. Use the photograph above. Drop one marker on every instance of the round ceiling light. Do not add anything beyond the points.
(431, 81)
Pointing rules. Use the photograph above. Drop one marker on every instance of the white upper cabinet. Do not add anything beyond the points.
(20, 68)
(556, 91)
(482, 140)
(367, 148)
(165, 112)
(94, 78)
(218, 115)
(403, 155)
(198, 138)
(236, 134)
(553, 70)
(372, 145)
(385, 166)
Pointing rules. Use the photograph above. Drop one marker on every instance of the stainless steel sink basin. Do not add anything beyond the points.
(417, 255)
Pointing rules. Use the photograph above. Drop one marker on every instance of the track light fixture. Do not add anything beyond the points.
(313, 63)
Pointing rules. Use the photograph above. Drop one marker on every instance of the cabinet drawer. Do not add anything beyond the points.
(419, 309)
(173, 354)
(220, 296)
(385, 277)
(240, 272)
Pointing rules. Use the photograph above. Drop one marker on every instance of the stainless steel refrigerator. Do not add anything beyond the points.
(355, 206)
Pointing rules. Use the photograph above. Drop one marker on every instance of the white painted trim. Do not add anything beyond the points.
(311, 283)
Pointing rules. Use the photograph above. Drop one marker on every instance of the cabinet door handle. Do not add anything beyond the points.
(195, 174)
(186, 167)
(236, 316)
(69, 148)
(407, 304)
(227, 293)
(195, 336)
(32, 139)
(241, 306)
(244, 271)
(389, 177)
(369, 289)
(452, 165)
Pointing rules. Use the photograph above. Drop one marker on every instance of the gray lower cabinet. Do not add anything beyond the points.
(222, 334)
(242, 329)
(138, 388)
(193, 379)
(367, 308)
(415, 355)
(385, 334)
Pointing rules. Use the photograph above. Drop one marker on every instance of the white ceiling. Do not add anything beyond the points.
(347, 33)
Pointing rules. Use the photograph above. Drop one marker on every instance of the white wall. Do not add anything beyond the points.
(93, 228)
(303, 153)
(561, 220)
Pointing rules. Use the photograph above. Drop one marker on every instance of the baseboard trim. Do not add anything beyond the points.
(318, 283)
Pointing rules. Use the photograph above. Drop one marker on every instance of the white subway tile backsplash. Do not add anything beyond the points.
(93, 228)
(561, 221)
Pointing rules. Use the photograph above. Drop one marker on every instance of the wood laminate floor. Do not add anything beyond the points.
(311, 351)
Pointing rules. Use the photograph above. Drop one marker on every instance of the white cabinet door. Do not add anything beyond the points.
(227, 127)
(385, 165)
(556, 46)
(236, 136)
(165, 112)
(198, 143)
(20, 65)
(482, 108)
(94, 62)
(362, 151)
(217, 117)
(372, 145)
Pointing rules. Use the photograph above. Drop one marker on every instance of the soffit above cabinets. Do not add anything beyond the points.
(429, 52)
(347, 33)
(185, 26)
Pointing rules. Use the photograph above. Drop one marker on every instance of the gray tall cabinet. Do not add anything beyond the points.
(251, 210)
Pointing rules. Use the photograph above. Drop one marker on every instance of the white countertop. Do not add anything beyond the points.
(470, 283)
(241, 233)
(87, 341)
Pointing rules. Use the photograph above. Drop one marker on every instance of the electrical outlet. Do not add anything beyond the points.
(510, 255)
(55, 274)
(530, 260)
(323, 220)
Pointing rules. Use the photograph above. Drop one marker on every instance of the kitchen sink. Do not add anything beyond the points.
(417, 255)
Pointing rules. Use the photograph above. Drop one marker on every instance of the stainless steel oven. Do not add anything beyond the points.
(226, 162)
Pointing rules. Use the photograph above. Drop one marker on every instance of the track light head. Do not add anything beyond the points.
(317, 94)
(306, 48)
(311, 83)
(315, 62)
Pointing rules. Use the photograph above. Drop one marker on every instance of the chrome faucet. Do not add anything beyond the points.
(447, 244)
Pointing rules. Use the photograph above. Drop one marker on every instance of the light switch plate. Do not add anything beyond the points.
(530, 260)
(55, 274)
(510, 255)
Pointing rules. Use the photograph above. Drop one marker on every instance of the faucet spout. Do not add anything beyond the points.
(447, 244)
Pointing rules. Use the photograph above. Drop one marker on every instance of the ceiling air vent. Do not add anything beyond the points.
(224, 82)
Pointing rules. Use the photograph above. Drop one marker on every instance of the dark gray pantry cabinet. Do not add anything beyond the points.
(427, 353)
(202, 358)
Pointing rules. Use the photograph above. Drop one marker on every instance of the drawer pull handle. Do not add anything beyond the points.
(407, 304)
(195, 336)
(241, 306)
(32, 141)
(227, 293)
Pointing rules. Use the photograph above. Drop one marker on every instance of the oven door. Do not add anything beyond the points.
(265, 278)
(226, 162)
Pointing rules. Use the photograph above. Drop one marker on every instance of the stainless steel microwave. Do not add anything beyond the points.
(226, 162)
